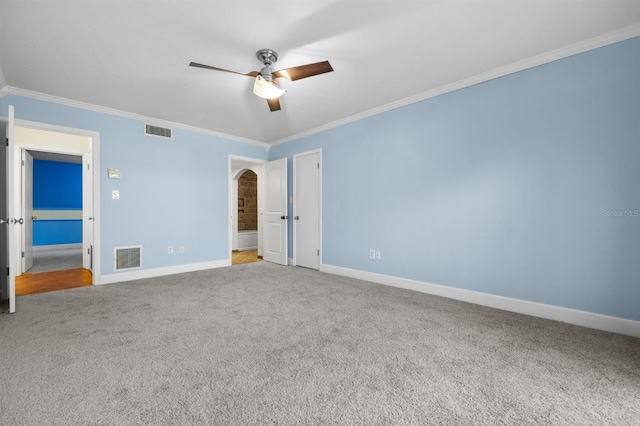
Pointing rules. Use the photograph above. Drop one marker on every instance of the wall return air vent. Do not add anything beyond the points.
(127, 258)
(161, 132)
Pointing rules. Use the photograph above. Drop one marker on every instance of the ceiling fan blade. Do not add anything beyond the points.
(304, 71)
(274, 104)
(209, 67)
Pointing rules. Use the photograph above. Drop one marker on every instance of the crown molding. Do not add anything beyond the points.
(104, 110)
(571, 50)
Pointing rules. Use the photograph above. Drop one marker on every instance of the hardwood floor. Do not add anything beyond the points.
(245, 256)
(72, 278)
(52, 281)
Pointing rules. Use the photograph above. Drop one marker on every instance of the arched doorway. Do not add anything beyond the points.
(244, 211)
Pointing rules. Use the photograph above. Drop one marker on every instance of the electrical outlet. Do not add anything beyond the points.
(377, 254)
(372, 254)
(115, 194)
(170, 250)
(181, 249)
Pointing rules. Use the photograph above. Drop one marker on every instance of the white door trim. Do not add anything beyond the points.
(232, 214)
(95, 151)
(27, 209)
(295, 207)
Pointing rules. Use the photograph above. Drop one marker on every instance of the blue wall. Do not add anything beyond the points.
(173, 192)
(49, 232)
(57, 186)
(526, 186)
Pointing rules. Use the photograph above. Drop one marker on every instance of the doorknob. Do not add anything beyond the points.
(20, 221)
(297, 217)
(3, 221)
(90, 218)
(34, 217)
(284, 217)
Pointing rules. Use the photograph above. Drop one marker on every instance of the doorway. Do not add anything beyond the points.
(245, 186)
(58, 253)
(272, 206)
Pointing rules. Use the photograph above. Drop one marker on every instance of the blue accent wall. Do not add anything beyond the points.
(56, 185)
(48, 232)
(526, 186)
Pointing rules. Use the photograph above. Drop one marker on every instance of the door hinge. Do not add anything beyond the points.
(22, 163)
(22, 254)
(318, 165)
(7, 271)
(7, 141)
(318, 252)
(88, 166)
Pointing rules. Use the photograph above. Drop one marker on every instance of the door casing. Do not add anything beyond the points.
(91, 185)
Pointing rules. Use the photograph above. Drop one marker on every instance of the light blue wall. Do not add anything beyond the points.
(513, 187)
(173, 192)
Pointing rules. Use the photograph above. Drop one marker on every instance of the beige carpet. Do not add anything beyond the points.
(262, 344)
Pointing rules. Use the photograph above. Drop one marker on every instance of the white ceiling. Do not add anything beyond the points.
(133, 55)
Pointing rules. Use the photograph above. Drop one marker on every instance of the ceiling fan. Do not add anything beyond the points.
(265, 85)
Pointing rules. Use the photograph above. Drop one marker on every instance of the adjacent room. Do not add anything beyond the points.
(327, 212)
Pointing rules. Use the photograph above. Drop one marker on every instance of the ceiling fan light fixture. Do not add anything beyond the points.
(266, 89)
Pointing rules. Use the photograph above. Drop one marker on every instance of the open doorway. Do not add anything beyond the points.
(245, 186)
(56, 192)
(55, 209)
(246, 250)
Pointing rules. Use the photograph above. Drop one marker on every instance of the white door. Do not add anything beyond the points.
(306, 225)
(13, 206)
(88, 219)
(275, 175)
(27, 210)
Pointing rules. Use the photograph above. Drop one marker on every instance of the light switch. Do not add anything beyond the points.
(115, 194)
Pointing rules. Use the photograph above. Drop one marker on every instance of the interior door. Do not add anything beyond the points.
(88, 219)
(13, 206)
(275, 175)
(27, 210)
(4, 244)
(306, 227)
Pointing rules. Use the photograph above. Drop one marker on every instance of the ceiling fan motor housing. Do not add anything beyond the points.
(267, 56)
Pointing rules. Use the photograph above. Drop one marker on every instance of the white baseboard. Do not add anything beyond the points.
(57, 247)
(247, 248)
(556, 313)
(159, 272)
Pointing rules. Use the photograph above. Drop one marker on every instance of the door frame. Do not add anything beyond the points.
(26, 211)
(90, 156)
(295, 205)
(232, 214)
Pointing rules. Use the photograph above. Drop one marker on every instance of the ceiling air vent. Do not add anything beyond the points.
(128, 258)
(161, 132)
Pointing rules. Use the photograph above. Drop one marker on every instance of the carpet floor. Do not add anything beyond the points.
(260, 344)
(56, 260)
